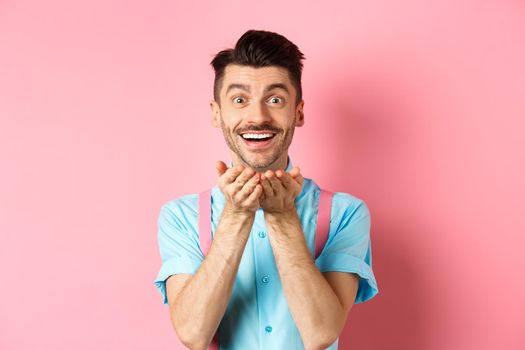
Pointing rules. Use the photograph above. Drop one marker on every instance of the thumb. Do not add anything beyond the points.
(221, 168)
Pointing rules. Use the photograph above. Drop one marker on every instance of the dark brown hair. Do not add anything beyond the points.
(260, 48)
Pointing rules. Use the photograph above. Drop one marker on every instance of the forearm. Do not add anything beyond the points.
(200, 305)
(313, 304)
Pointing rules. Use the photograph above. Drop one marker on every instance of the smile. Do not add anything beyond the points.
(258, 140)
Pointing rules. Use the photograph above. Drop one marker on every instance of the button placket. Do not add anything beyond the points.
(264, 272)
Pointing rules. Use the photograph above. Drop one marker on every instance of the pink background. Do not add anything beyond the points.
(416, 108)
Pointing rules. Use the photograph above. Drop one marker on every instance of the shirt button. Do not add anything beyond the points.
(268, 329)
(265, 279)
(262, 234)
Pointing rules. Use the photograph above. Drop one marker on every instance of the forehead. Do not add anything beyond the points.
(255, 77)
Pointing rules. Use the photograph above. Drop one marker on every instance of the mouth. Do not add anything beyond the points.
(258, 139)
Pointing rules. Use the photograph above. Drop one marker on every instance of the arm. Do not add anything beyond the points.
(211, 286)
(319, 303)
(197, 322)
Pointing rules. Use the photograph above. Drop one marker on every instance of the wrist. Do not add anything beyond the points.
(238, 213)
(280, 217)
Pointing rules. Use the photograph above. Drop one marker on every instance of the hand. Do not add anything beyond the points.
(240, 187)
(280, 190)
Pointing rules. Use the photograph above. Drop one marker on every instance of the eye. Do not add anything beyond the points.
(274, 100)
(238, 99)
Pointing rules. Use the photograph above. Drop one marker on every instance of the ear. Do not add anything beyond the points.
(299, 114)
(215, 114)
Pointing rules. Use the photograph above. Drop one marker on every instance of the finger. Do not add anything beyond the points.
(267, 188)
(274, 182)
(286, 179)
(255, 195)
(294, 172)
(247, 188)
(262, 197)
(231, 174)
(236, 186)
(244, 176)
(299, 180)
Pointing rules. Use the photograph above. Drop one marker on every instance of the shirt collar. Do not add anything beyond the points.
(288, 167)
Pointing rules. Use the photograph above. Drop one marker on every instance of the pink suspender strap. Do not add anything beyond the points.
(323, 221)
(205, 237)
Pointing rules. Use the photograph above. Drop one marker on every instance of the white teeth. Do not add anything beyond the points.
(256, 136)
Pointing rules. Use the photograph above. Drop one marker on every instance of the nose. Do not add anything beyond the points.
(258, 113)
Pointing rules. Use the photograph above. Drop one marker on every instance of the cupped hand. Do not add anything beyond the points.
(280, 190)
(241, 188)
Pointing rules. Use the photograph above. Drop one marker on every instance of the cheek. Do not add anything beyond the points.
(227, 117)
(232, 120)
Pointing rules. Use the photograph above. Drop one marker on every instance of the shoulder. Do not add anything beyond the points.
(345, 206)
(181, 211)
(182, 203)
(350, 204)
(342, 202)
(348, 209)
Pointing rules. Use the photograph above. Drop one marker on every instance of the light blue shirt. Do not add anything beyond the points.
(257, 316)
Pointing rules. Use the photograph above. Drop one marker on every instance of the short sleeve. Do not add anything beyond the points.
(348, 248)
(178, 244)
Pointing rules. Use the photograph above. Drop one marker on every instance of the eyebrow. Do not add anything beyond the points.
(247, 88)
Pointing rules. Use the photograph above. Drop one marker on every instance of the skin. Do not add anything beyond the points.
(319, 302)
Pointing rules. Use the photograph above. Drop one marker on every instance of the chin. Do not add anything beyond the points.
(261, 164)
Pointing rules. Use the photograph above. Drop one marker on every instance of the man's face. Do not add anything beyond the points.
(258, 115)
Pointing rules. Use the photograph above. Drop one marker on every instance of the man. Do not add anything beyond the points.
(258, 286)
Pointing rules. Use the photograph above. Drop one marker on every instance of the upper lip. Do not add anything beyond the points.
(258, 132)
